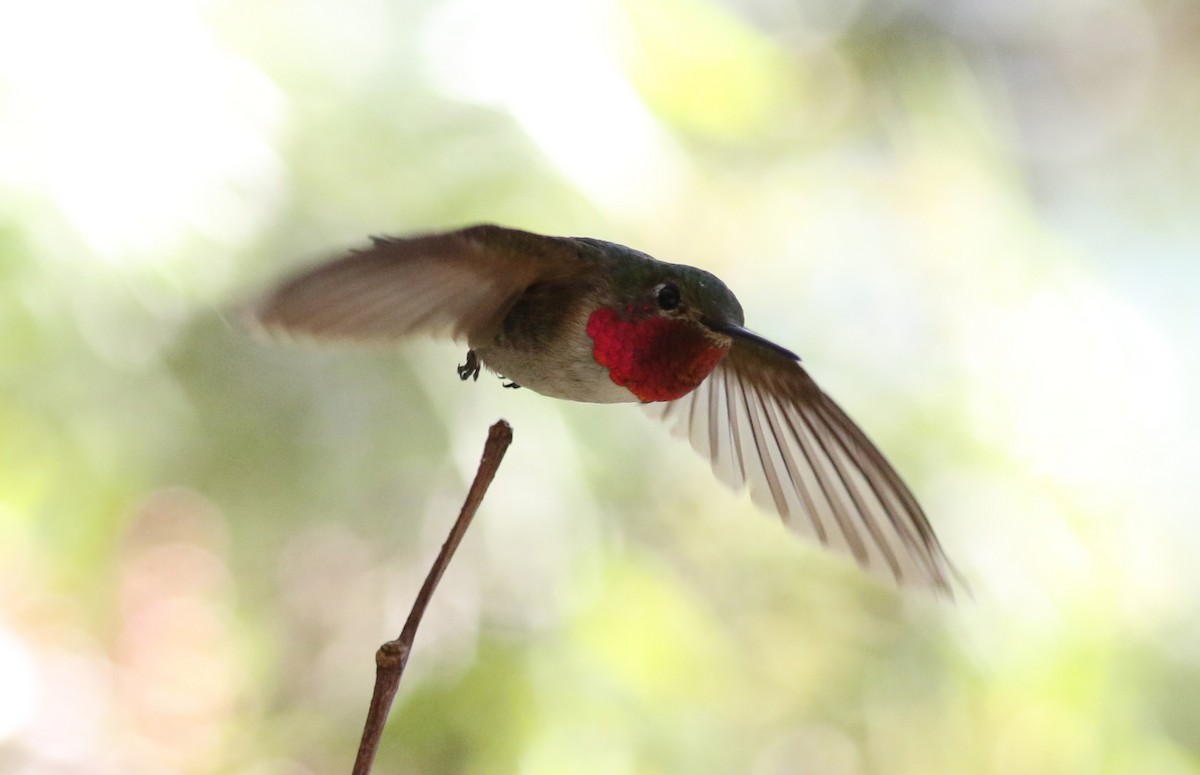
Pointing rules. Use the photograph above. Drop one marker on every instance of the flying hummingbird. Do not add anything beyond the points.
(588, 320)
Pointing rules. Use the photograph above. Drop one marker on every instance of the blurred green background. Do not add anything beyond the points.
(976, 221)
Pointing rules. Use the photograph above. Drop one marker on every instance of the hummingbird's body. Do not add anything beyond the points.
(595, 335)
(587, 320)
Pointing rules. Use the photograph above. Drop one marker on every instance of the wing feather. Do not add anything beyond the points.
(458, 283)
(753, 407)
(797, 475)
(764, 423)
(846, 538)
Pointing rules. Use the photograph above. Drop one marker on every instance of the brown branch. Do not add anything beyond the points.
(393, 655)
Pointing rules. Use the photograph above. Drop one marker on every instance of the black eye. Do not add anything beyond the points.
(668, 296)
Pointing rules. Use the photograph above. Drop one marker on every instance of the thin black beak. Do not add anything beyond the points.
(738, 332)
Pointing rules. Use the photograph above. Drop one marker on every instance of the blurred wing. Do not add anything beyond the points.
(458, 283)
(762, 420)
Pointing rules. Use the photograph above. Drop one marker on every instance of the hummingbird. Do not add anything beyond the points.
(583, 319)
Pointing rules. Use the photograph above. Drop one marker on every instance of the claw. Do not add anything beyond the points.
(512, 385)
(470, 369)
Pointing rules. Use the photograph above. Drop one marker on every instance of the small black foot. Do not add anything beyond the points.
(512, 385)
(470, 369)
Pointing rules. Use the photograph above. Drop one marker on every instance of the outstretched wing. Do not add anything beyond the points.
(458, 283)
(762, 420)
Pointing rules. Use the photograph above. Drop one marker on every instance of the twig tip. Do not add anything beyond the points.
(502, 429)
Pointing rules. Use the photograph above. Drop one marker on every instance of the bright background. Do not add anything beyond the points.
(975, 220)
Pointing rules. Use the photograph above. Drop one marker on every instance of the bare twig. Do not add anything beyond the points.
(393, 655)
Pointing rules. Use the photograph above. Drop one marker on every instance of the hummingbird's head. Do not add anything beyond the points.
(700, 297)
(668, 327)
(709, 302)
